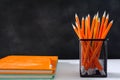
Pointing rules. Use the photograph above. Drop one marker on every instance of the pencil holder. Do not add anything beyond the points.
(93, 57)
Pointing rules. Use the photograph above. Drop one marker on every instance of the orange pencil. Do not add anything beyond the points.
(82, 26)
(88, 26)
(105, 24)
(92, 27)
(107, 30)
(97, 29)
(77, 23)
(102, 24)
(76, 31)
(82, 31)
(96, 26)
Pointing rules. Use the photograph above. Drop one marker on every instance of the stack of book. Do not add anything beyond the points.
(28, 67)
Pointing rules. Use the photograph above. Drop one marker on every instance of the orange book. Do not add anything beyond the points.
(28, 64)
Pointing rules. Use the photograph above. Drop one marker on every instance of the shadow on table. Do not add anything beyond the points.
(114, 75)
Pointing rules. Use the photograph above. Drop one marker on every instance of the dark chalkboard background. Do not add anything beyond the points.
(43, 27)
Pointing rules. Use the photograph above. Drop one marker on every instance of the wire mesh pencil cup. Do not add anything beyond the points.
(93, 57)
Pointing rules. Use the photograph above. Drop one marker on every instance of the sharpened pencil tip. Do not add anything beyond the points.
(104, 13)
(111, 21)
(88, 15)
(107, 16)
(76, 24)
(73, 26)
(82, 18)
(86, 18)
(97, 14)
(76, 15)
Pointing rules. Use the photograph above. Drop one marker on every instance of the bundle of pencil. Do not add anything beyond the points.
(92, 29)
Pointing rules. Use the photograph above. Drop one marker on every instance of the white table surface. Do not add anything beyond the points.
(69, 70)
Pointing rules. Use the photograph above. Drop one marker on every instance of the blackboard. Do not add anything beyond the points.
(43, 27)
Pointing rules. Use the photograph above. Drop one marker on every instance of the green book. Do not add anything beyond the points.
(26, 76)
(24, 79)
